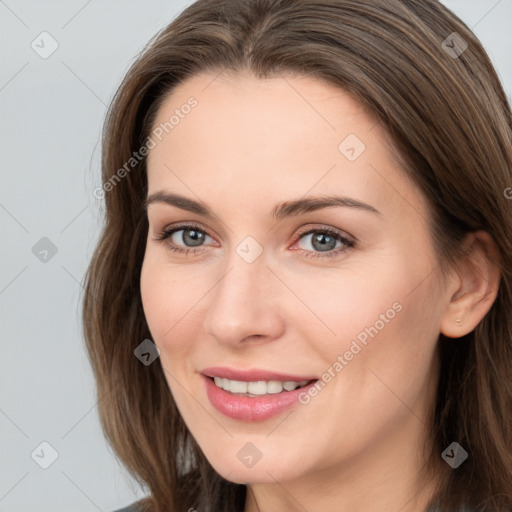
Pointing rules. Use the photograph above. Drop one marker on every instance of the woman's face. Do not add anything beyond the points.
(266, 294)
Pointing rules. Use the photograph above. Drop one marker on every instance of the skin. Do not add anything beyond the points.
(248, 145)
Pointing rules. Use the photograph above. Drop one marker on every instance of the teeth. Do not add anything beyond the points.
(274, 386)
(236, 386)
(257, 388)
(289, 385)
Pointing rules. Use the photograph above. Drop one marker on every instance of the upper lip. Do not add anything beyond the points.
(253, 375)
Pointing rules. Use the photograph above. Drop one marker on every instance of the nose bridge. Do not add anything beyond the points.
(241, 302)
(246, 278)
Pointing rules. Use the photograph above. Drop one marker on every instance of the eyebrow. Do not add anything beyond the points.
(279, 212)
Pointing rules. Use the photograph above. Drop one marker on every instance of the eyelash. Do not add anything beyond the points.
(168, 232)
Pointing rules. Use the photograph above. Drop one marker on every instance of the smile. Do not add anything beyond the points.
(257, 388)
(253, 400)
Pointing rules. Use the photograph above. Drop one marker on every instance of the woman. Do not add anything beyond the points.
(301, 296)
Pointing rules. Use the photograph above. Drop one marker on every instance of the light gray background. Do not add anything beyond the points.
(51, 113)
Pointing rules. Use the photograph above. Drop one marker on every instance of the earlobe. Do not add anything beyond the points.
(475, 286)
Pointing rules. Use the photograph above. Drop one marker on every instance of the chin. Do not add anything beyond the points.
(262, 472)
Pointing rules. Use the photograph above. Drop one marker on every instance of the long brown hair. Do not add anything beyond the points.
(448, 117)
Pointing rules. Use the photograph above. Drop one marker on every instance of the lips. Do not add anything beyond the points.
(253, 375)
(252, 408)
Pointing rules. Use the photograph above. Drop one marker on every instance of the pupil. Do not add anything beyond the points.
(321, 239)
(196, 237)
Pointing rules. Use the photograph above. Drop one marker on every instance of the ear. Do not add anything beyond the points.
(474, 286)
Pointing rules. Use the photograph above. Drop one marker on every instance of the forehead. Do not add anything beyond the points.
(293, 107)
(269, 137)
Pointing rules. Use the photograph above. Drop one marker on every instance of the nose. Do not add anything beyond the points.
(244, 305)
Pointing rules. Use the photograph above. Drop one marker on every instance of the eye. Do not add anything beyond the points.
(324, 240)
(191, 235)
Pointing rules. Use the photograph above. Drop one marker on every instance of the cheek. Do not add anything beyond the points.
(379, 320)
(343, 304)
(168, 304)
(383, 291)
(393, 371)
(153, 296)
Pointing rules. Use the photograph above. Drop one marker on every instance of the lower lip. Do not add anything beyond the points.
(251, 408)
